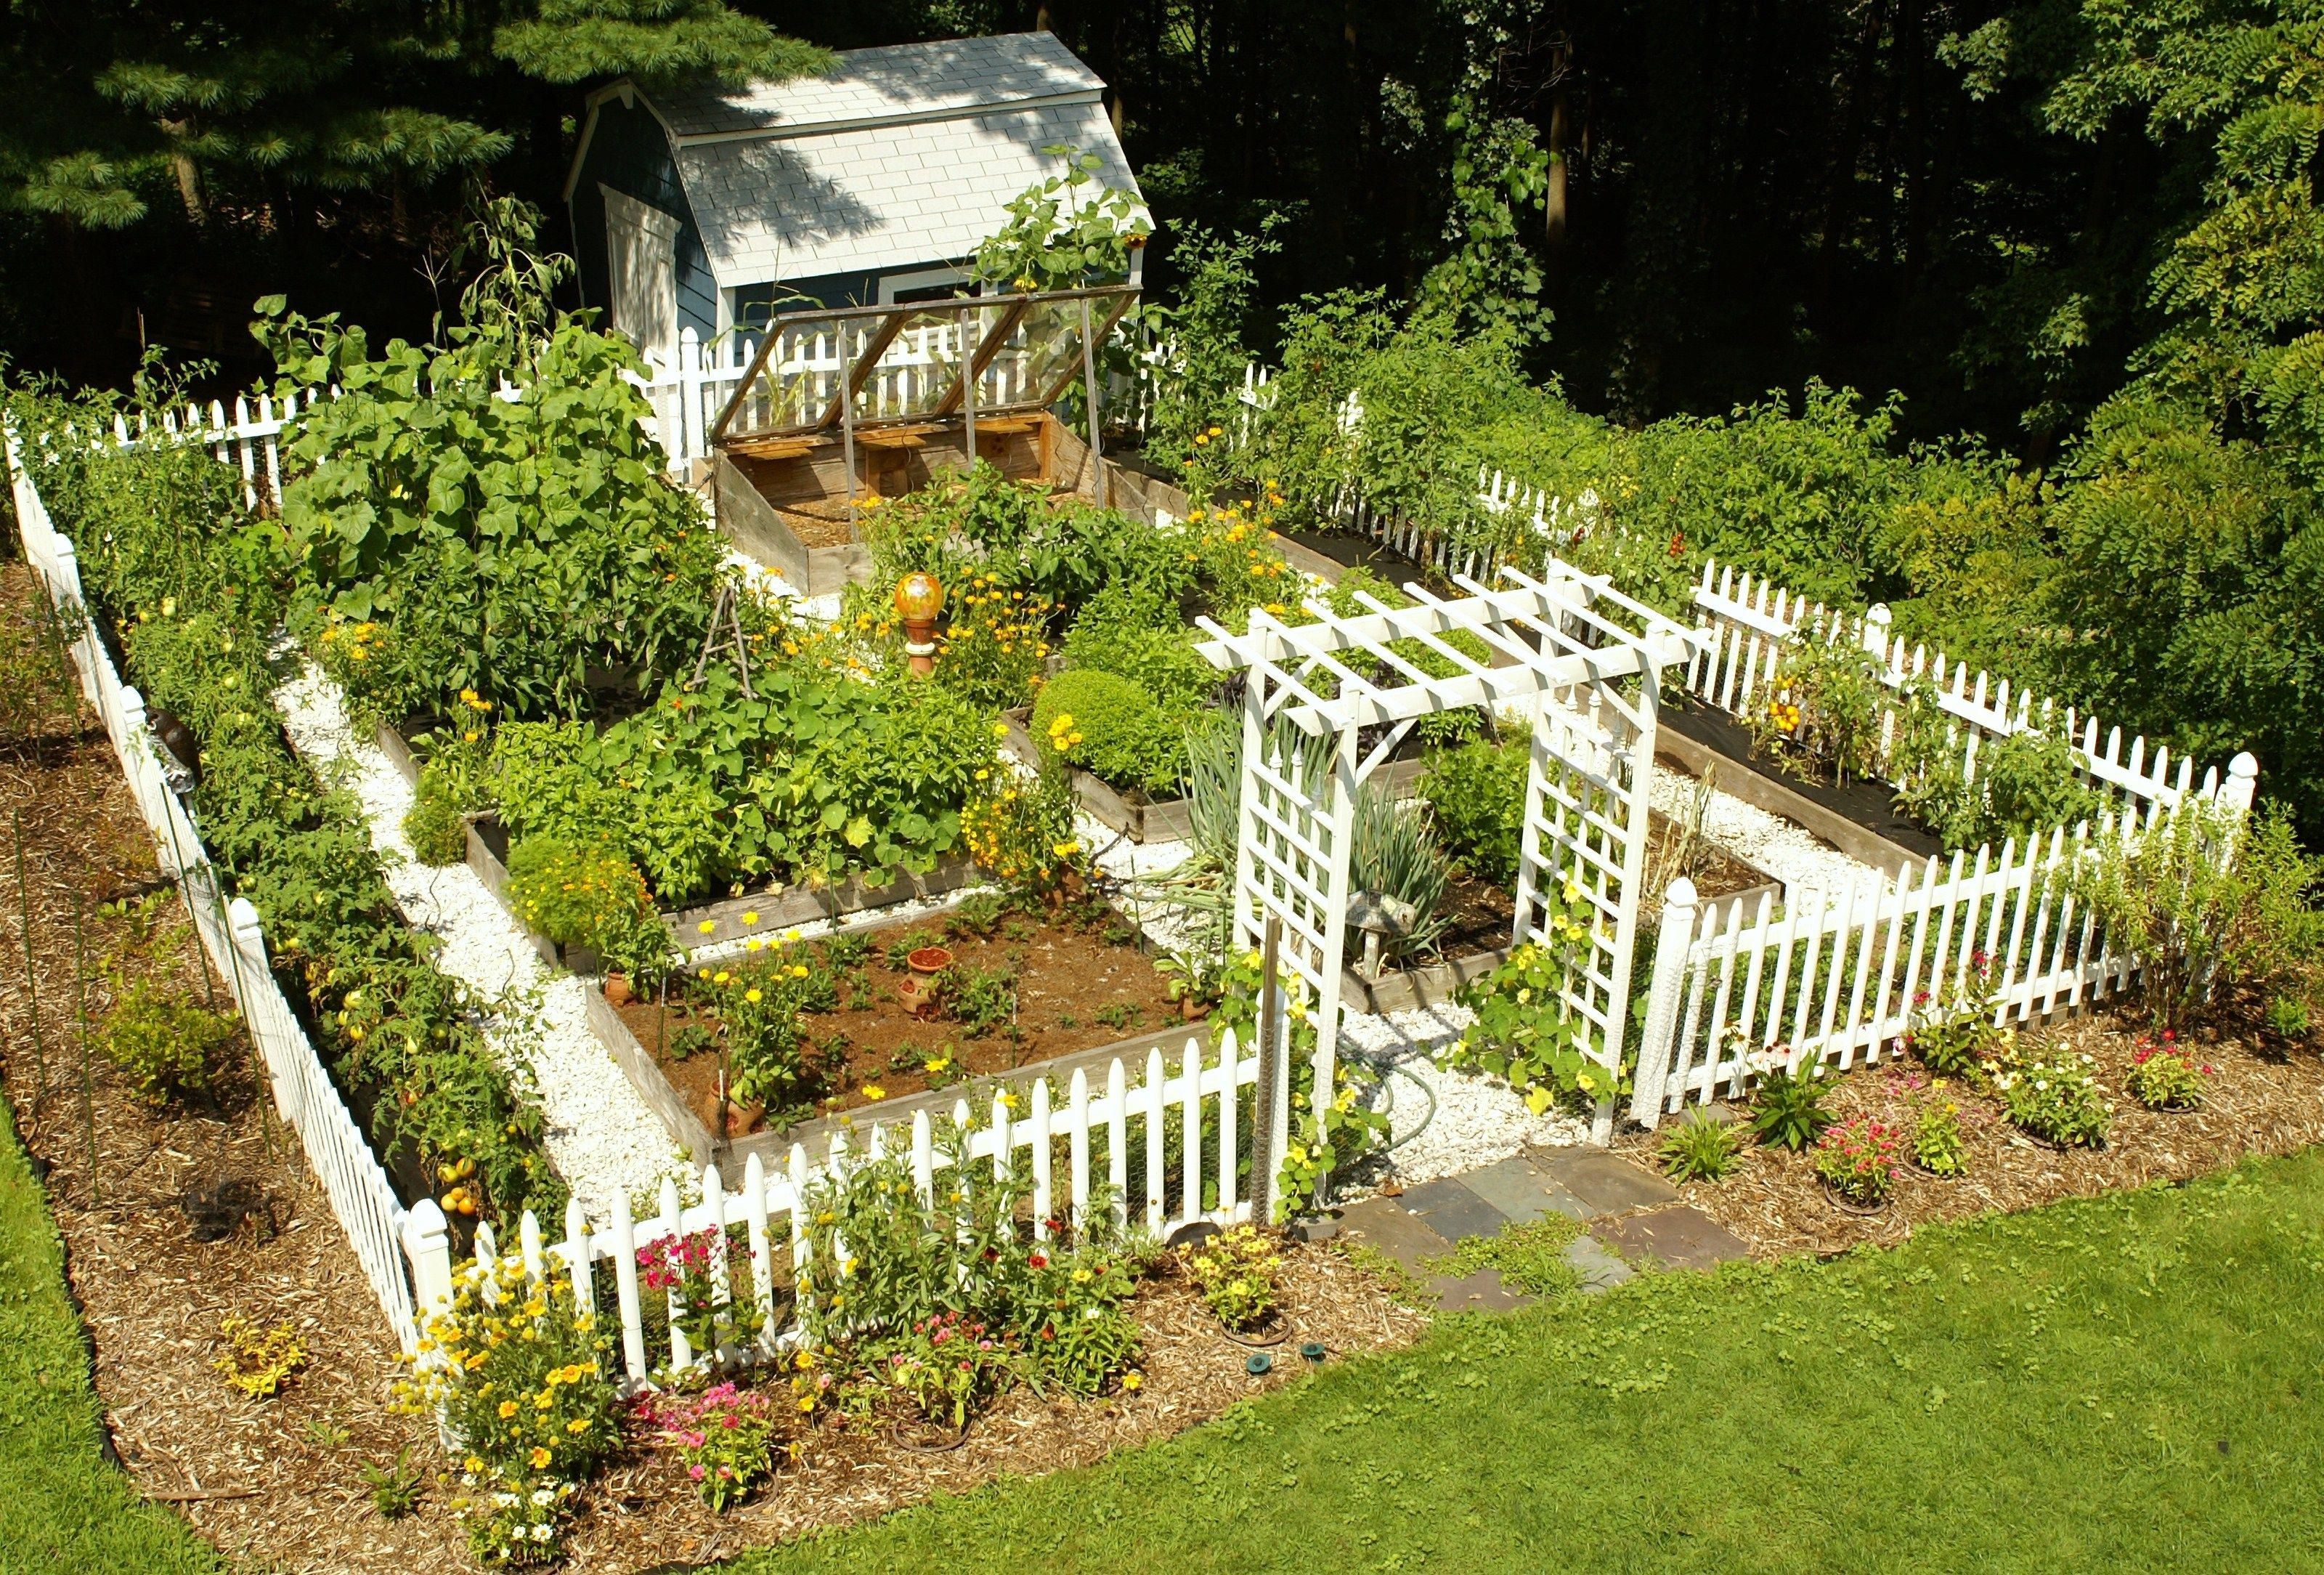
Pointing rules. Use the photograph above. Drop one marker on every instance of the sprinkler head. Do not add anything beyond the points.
(1313, 1350)
(1259, 1364)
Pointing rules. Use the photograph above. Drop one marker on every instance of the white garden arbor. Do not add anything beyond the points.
(1325, 704)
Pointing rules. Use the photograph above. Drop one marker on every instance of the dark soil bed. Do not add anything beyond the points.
(1078, 986)
(2266, 1099)
(1870, 804)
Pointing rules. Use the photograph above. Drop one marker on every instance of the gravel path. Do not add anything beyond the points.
(1800, 859)
(602, 1139)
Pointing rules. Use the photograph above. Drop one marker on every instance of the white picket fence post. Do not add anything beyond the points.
(1677, 933)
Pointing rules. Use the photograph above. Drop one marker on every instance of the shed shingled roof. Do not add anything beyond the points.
(903, 80)
(900, 155)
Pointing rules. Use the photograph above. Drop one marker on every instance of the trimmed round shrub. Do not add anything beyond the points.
(577, 894)
(1111, 725)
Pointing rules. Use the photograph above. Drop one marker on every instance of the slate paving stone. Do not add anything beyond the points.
(1483, 1292)
(1600, 1269)
(1606, 1183)
(1517, 1188)
(1680, 1237)
(1452, 1210)
(1385, 1224)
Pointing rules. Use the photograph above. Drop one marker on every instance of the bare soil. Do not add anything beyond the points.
(2266, 1099)
(1079, 985)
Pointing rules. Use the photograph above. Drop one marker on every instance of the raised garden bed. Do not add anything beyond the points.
(1861, 819)
(1476, 941)
(1081, 993)
(777, 909)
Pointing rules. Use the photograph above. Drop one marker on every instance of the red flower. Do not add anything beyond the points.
(1038, 1260)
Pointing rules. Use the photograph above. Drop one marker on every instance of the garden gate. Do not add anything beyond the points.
(1326, 703)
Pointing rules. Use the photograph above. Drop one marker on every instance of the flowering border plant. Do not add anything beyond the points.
(2164, 1076)
(522, 1379)
(1857, 1159)
(725, 1437)
(2055, 1098)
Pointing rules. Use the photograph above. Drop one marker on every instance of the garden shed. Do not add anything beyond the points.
(872, 185)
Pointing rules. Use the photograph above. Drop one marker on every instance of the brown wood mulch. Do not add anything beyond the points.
(277, 1483)
(2266, 1099)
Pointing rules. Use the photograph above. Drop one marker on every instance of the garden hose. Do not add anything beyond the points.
(1389, 1109)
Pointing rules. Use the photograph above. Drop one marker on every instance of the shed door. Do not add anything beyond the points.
(642, 263)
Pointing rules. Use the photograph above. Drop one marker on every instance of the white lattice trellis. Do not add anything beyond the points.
(1326, 703)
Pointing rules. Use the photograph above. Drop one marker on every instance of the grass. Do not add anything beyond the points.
(63, 1506)
(1530, 1257)
(2128, 1383)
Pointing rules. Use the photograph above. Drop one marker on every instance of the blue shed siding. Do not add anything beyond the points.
(630, 152)
(751, 303)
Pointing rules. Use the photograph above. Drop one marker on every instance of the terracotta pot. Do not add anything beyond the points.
(919, 997)
(617, 990)
(1192, 1011)
(929, 960)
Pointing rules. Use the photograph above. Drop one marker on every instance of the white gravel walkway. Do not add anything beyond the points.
(1801, 860)
(602, 1139)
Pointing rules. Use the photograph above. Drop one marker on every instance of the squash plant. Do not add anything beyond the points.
(521, 544)
(815, 775)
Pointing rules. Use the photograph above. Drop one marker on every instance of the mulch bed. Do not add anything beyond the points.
(644, 1511)
(1079, 987)
(2265, 1099)
(277, 1483)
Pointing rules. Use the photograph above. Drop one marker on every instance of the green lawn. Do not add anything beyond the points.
(61, 1507)
(2119, 1385)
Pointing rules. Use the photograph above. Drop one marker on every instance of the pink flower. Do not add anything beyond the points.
(733, 1420)
(694, 1472)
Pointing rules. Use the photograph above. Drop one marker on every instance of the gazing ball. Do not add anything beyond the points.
(919, 597)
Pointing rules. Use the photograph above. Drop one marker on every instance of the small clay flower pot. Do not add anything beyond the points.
(1192, 1010)
(929, 961)
(617, 990)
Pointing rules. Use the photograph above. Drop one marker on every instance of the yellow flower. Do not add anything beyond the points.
(874, 1092)
(1131, 1381)
(755, 943)
(540, 1458)
(798, 971)
(708, 926)
(751, 995)
(750, 918)
(579, 1424)
(508, 1408)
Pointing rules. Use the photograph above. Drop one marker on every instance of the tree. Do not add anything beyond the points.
(230, 102)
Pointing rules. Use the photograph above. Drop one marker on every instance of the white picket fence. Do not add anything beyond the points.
(1112, 1125)
(362, 1198)
(1837, 978)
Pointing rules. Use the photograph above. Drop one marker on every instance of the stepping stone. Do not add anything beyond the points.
(1606, 1183)
(1452, 1210)
(1517, 1188)
(1672, 1238)
(1600, 1269)
(1483, 1292)
(1386, 1225)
